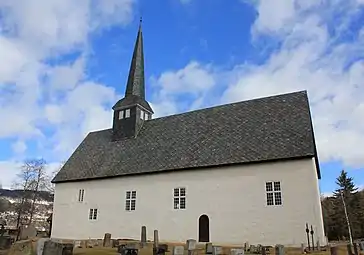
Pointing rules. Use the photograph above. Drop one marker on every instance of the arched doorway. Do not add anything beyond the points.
(203, 229)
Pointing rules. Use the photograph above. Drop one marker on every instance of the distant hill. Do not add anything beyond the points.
(14, 194)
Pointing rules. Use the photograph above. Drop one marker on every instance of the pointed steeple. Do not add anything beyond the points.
(131, 111)
(135, 85)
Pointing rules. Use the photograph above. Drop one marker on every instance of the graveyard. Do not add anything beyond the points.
(34, 245)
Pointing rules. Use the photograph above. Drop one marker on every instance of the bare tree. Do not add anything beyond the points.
(31, 179)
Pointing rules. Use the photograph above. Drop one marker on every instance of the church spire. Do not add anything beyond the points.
(135, 85)
(131, 111)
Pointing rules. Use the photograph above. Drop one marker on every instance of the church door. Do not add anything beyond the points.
(203, 229)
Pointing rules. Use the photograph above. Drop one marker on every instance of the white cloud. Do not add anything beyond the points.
(37, 96)
(19, 147)
(311, 58)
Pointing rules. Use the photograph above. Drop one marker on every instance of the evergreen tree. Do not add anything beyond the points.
(348, 192)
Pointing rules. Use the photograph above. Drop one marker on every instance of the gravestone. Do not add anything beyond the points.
(107, 240)
(216, 250)
(156, 239)
(28, 232)
(279, 249)
(77, 244)
(252, 249)
(143, 237)
(333, 250)
(259, 248)
(191, 244)
(361, 245)
(40, 245)
(56, 248)
(178, 250)
(237, 251)
(208, 248)
(246, 246)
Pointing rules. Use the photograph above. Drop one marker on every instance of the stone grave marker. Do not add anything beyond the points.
(361, 245)
(208, 248)
(246, 246)
(279, 249)
(252, 249)
(28, 232)
(237, 251)
(178, 250)
(143, 237)
(107, 240)
(52, 248)
(77, 243)
(216, 250)
(156, 239)
(191, 244)
(40, 245)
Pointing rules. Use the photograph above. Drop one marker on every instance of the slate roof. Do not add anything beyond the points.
(271, 128)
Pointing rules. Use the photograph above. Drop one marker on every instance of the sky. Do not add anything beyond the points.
(64, 63)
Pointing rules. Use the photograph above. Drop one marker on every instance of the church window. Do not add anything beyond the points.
(142, 116)
(273, 193)
(93, 214)
(81, 194)
(127, 113)
(130, 200)
(121, 115)
(179, 198)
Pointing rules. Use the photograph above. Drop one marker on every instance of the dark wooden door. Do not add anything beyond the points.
(203, 229)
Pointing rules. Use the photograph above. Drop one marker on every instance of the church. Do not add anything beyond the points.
(234, 173)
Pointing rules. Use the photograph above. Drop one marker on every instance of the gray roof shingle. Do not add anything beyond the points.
(270, 128)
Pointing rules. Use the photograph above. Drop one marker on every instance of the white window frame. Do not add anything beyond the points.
(93, 214)
(142, 114)
(273, 190)
(81, 195)
(130, 200)
(127, 113)
(121, 114)
(179, 198)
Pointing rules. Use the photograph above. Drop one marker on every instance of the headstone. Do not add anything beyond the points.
(28, 232)
(259, 248)
(55, 248)
(237, 251)
(361, 245)
(78, 244)
(208, 249)
(143, 237)
(191, 244)
(333, 250)
(252, 249)
(40, 245)
(156, 239)
(216, 250)
(279, 249)
(178, 250)
(5, 242)
(246, 246)
(107, 240)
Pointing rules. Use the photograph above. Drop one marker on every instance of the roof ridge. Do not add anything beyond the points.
(231, 103)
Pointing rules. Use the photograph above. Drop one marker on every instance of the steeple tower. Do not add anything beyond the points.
(131, 111)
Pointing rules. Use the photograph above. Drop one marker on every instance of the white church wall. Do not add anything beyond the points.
(234, 199)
